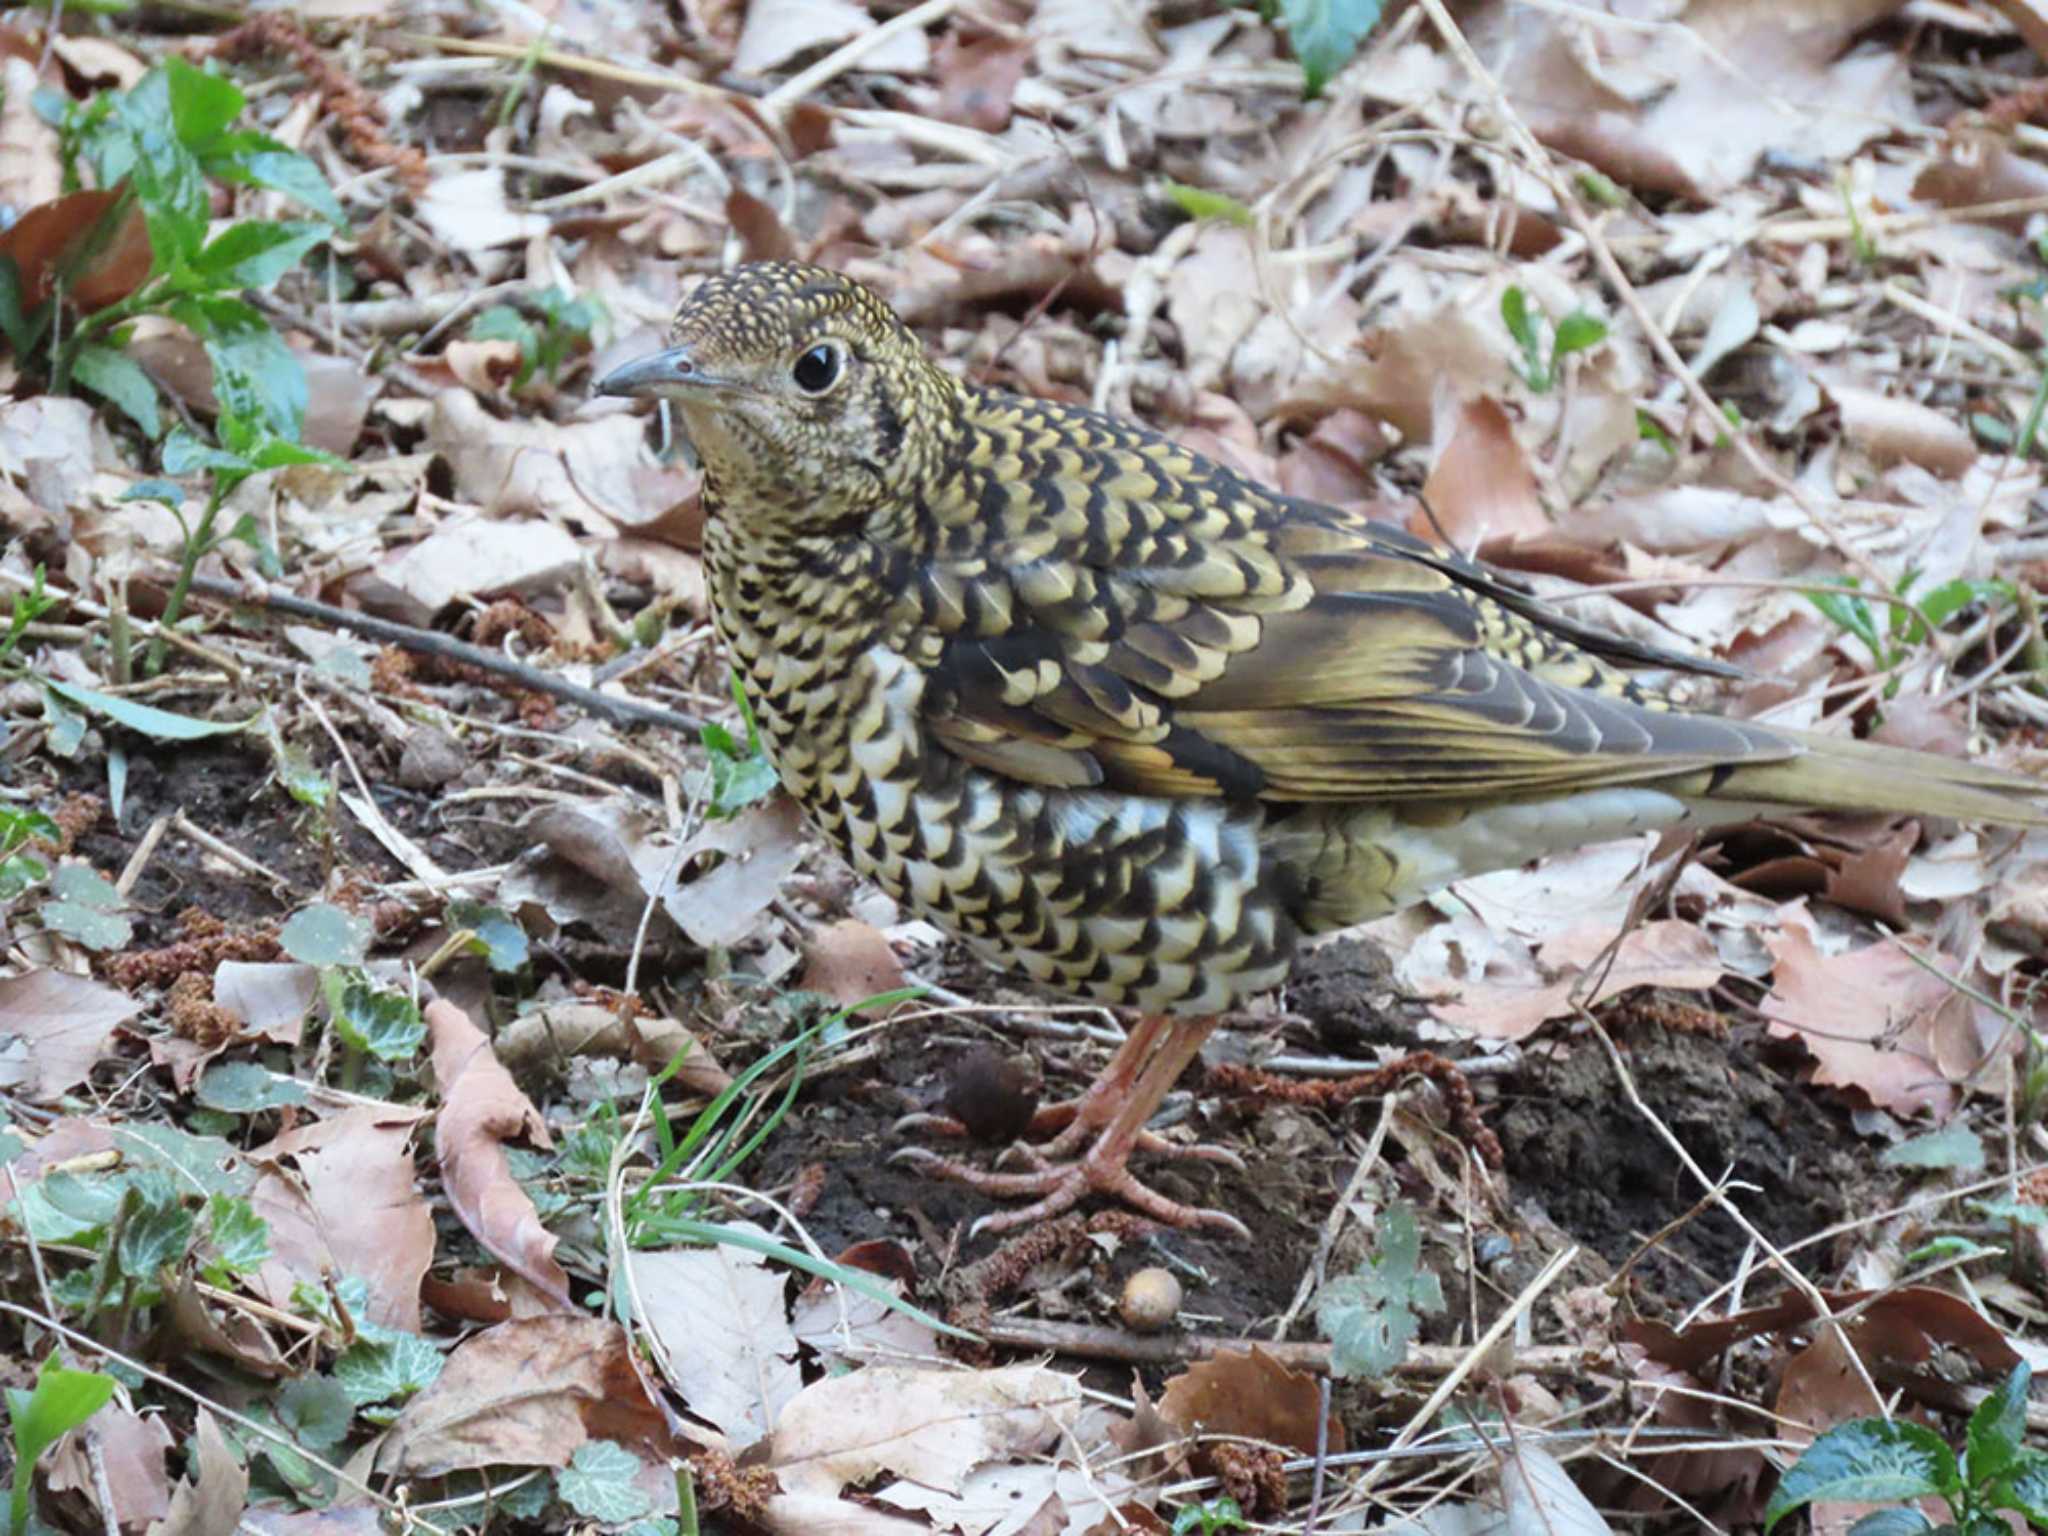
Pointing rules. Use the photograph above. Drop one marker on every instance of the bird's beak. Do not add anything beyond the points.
(667, 373)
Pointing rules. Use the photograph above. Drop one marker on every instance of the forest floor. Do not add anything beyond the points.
(435, 1101)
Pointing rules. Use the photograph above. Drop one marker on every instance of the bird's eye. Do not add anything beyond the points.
(818, 369)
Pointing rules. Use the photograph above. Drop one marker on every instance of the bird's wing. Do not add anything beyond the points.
(1110, 609)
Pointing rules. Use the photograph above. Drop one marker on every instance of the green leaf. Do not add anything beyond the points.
(386, 1024)
(201, 104)
(240, 1238)
(1324, 35)
(145, 718)
(2024, 1488)
(1998, 1428)
(499, 938)
(1849, 612)
(257, 378)
(252, 159)
(1576, 332)
(118, 379)
(325, 935)
(2001, 1208)
(1953, 1146)
(62, 1400)
(598, 1483)
(139, 143)
(94, 927)
(387, 1369)
(1369, 1317)
(255, 255)
(1198, 203)
(156, 1230)
(246, 1088)
(88, 887)
(316, 1410)
(1869, 1461)
(186, 453)
(1903, 1521)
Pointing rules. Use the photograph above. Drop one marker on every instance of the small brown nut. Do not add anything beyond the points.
(1150, 1300)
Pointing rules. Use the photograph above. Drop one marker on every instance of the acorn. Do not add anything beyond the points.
(1150, 1301)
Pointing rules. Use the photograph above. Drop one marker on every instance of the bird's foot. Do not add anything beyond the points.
(1068, 1133)
(1059, 1187)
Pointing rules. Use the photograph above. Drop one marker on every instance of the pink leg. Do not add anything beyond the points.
(1115, 1107)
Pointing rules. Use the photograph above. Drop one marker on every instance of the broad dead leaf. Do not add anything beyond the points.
(64, 1022)
(850, 961)
(352, 1207)
(1250, 1393)
(720, 1319)
(761, 848)
(211, 1502)
(930, 1426)
(481, 1110)
(131, 1451)
(471, 559)
(528, 1394)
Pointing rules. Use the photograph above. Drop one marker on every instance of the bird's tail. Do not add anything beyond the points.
(1835, 773)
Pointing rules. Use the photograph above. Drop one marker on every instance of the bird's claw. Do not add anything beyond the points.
(1059, 1187)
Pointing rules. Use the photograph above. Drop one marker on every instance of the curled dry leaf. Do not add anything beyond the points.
(214, 1499)
(1481, 486)
(556, 1031)
(527, 1394)
(482, 1109)
(1894, 430)
(131, 1451)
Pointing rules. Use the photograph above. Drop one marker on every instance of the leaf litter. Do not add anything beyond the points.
(1698, 1055)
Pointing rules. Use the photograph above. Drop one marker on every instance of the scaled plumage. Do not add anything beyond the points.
(1133, 724)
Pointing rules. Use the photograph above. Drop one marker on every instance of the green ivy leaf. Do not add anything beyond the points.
(316, 1410)
(156, 1230)
(1325, 34)
(1369, 1317)
(87, 908)
(499, 938)
(385, 1024)
(246, 1088)
(1953, 1146)
(1870, 1461)
(119, 380)
(598, 1483)
(240, 1238)
(387, 1369)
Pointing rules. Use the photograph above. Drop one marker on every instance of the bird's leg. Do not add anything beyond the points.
(1122, 1108)
(1062, 1128)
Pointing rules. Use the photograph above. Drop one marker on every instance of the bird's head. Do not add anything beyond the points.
(805, 396)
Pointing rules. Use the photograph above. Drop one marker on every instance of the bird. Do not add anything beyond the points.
(1135, 726)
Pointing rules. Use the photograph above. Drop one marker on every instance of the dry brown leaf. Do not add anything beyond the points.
(1894, 430)
(212, 1501)
(931, 1426)
(467, 211)
(1481, 486)
(46, 444)
(31, 169)
(132, 1451)
(1510, 1002)
(528, 1394)
(475, 558)
(762, 846)
(354, 1208)
(1250, 1393)
(720, 1322)
(850, 961)
(777, 31)
(586, 472)
(978, 79)
(1872, 1018)
(65, 1022)
(811, 1514)
(557, 1031)
(270, 998)
(481, 1110)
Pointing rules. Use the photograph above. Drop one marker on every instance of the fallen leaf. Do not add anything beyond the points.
(528, 1394)
(66, 1022)
(475, 558)
(481, 1110)
(931, 1426)
(211, 1502)
(850, 961)
(131, 1448)
(1250, 1393)
(720, 1319)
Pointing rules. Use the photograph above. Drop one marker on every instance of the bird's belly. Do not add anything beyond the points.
(1150, 903)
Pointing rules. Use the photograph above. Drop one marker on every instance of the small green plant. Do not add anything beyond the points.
(1891, 640)
(563, 327)
(1210, 1516)
(61, 1400)
(1544, 348)
(371, 1023)
(1881, 1460)
(158, 148)
(1199, 203)
(739, 775)
(1324, 34)
(1369, 1317)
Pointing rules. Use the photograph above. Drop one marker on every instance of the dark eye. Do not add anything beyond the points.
(818, 369)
